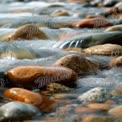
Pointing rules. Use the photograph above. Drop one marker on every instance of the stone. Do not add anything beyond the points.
(79, 50)
(28, 31)
(40, 76)
(80, 110)
(16, 111)
(29, 97)
(99, 106)
(116, 62)
(18, 53)
(117, 111)
(92, 23)
(78, 1)
(96, 118)
(105, 49)
(57, 88)
(119, 6)
(78, 63)
(97, 94)
(60, 13)
(86, 40)
(114, 28)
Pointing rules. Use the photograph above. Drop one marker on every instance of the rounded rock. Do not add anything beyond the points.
(92, 23)
(17, 111)
(114, 28)
(28, 31)
(99, 106)
(78, 63)
(97, 94)
(40, 76)
(117, 111)
(105, 49)
(26, 96)
(116, 62)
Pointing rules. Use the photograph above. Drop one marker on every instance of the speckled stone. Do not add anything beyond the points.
(97, 94)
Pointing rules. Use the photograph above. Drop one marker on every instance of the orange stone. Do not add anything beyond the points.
(26, 96)
(99, 106)
(92, 23)
(40, 76)
(116, 62)
(95, 118)
(110, 102)
(117, 111)
(78, 63)
(81, 109)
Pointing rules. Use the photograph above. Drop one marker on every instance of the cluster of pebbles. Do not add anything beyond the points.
(61, 62)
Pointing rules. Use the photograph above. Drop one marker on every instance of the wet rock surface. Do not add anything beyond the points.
(60, 61)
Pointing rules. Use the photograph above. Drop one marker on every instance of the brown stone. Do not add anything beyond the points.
(116, 62)
(117, 111)
(99, 106)
(104, 49)
(95, 118)
(80, 110)
(40, 76)
(26, 96)
(78, 1)
(110, 102)
(78, 63)
(28, 31)
(79, 50)
(92, 23)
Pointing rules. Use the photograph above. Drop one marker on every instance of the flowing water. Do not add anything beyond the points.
(40, 52)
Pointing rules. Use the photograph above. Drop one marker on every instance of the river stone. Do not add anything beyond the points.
(26, 96)
(90, 39)
(78, 1)
(78, 63)
(119, 6)
(114, 28)
(15, 111)
(97, 94)
(93, 23)
(18, 53)
(40, 76)
(96, 118)
(57, 88)
(99, 106)
(28, 31)
(105, 49)
(116, 62)
(60, 13)
(117, 111)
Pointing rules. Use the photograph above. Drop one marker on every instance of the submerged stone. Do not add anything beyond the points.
(90, 39)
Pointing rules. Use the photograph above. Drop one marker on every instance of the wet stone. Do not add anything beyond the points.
(117, 111)
(15, 111)
(40, 76)
(97, 94)
(78, 63)
(105, 49)
(116, 62)
(114, 28)
(26, 96)
(93, 23)
(29, 31)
